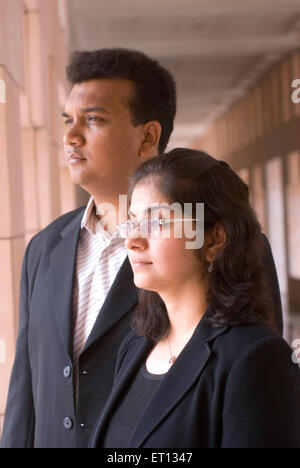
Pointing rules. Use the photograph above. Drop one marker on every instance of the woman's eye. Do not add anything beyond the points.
(68, 121)
(163, 222)
(158, 224)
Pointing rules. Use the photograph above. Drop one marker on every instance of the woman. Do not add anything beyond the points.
(202, 366)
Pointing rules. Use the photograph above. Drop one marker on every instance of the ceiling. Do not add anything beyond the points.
(216, 49)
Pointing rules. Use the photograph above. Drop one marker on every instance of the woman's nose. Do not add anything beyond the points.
(135, 241)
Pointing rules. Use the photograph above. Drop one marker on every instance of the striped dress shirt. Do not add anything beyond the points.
(99, 258)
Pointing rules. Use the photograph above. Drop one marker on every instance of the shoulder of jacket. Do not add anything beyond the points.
(243, 339)
(57, 225)
(129, 341)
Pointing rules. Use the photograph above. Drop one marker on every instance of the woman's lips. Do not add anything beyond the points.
(139, 264)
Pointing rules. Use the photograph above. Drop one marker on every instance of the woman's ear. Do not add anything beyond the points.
(151, 136)
(215, 243)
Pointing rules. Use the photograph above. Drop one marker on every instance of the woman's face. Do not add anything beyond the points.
(160, 264)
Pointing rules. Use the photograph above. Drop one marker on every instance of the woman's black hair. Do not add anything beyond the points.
(237, 292)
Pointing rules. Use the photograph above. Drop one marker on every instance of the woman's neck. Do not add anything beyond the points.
(185, 307)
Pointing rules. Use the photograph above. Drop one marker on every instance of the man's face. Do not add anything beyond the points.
(101, 144)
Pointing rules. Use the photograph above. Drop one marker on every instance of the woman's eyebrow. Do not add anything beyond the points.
(150, 210)
(162, 206)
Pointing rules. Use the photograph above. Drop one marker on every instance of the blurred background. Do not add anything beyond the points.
(234, 62)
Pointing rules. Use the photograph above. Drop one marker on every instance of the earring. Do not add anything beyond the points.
(211, 267)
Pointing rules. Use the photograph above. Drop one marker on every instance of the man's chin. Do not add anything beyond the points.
(78, 177)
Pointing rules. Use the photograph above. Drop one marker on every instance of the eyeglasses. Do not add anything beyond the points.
(150, 227)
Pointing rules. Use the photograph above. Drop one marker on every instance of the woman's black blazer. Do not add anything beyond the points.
(229, 387)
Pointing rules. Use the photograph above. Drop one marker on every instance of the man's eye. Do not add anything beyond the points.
(68, 121)
(94, 118)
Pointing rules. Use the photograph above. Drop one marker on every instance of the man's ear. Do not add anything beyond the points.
(151, 136)
(215, 242)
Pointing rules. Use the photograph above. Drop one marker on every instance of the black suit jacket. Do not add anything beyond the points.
(230, 387)
(40, 409)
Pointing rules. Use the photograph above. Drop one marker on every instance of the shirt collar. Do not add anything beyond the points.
(89, 220)
(93, 224)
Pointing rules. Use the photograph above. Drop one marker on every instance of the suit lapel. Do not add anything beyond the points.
(182, 375)
(121, 298)
(139, 352)
(171, 390)
(62, 267)
(176, 383)
(186, 370)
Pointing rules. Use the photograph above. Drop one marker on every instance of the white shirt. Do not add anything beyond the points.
(99, 258)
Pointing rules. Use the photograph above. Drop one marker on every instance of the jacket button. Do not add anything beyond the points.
(67, 372)
(68, 423)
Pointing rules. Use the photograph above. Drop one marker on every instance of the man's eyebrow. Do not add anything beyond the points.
(94, 109)
(88, 109)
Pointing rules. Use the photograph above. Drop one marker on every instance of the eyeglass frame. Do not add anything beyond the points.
(161, 222)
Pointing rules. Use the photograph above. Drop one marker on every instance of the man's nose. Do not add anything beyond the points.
(74, 136)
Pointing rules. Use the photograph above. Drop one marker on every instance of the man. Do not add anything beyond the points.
(77, 287)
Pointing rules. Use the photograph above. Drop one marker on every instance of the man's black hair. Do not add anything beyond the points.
(155, 90)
